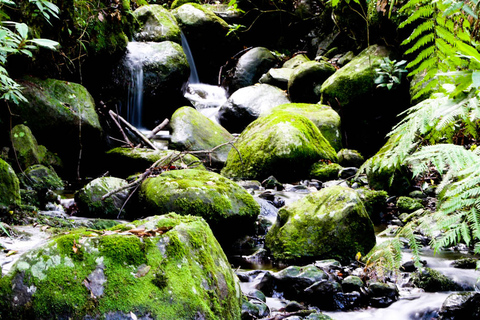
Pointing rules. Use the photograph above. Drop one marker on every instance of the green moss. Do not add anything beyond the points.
(40, 177)
(433, 281)
(375, 201)
(325, 171)
(123, 249)
(282, 144)
(9, 185)
(157, 24)
(407, 204)
(178, 3)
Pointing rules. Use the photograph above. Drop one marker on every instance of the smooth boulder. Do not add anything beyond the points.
(247, 104)
(9, 185)
(157, 24)
(330, 223)
(192, 131)
(228, 208)
(283, 145)
(324, 117)
(163, 267)
(305, 82)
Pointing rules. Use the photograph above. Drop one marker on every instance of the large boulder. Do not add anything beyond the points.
(247, 104)
(124, 162)
(251, 66)
(89, 198)
(161, 68)
(40, 177)
(282, 144)
(192, 131)
(163, 267)
(62, 117)
(157, 24)
(324, 117)
(305, 82)
(9, 185)
(368, 113)
(461, 305)
(330, 223)
(228, 208)
(206, 34)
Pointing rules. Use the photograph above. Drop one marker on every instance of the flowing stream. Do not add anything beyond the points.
(136, 53)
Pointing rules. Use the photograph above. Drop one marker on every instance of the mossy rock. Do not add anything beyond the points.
(124, 162)
(38, 177)
(330, 223)
(157, 24)
(283, 145)
(324, 117)
(375, 202)
(325, 171)
(354, 79)
(178, 3)
(62, 117)
(179, 271)
(9, 185)
(295, 61)
(192, 131)
(350, 158)
(433, 281)
(408, 205)
(89, 198)
(26, 146)
(303, 83)
(228, 208)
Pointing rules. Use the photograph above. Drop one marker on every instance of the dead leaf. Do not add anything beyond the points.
(101, 17)
(142, 271)
(11, 252)
(137, 230)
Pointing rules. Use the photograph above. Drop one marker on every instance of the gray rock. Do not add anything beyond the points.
(157, 24)
(251, 66)
(305, 82)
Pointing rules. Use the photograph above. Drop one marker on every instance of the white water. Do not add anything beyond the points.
(193, 69)
(137, 53)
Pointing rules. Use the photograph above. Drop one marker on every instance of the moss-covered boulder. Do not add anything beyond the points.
(204, 30)
(26, 146)
(251, 66)
(89, 198)
(295, 61)
(165, 267)
(62, 117)
(432, 280)
(228, 208)
(247, 104)
(350, 158)
(40, 177)
(124, 162)
(324, 117)
(157, 24)
(192, 131)
(408, 205)
(330, 223)
(282, 144)
(9, 185)
(324, 171)
(305, 82)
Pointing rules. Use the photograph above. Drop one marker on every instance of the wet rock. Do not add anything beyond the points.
(330, 223)
(293, 306)
(228, 208)
(247, 104)
(325, 294)
(305, 82)
(266, 284)
(156, 24)
(189, 275)
(192, 131)
(381, 295)
(352, 283)
(277, 77)
(465, 263)
(293, 281)
(350, 158)
(39, 177)
(89, 198)
(125, 162)
(251, 66)
(324, 117)
(270, 146)
(9, 185)
(295, 61)
(459, 306)
(62, 116)
(375, 202)
(407, 204)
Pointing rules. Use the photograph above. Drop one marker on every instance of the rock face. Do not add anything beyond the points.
(192, 131)
(89, 198)
(282, 144)
(247, 104)
(352, 90)
(251, 66)
(125, 162)
(305, 82)
(157, 24)
(324, 117)
(163, 68)
(228, 208)
(330, 223)
(62, 117)
(9, 185)
(207, 38)
(178, 271)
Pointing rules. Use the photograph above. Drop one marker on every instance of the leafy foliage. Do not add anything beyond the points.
(389, 74)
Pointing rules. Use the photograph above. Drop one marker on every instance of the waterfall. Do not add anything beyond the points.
(193, 69)
(134, 63)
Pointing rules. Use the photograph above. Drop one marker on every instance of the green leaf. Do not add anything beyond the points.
(22, 29)
(476, 79)
(46, 43)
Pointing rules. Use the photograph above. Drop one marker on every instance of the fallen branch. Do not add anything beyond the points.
(134, 130)
(114, 116)
(158, 128)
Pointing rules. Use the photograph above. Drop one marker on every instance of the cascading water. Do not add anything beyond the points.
(206, 98)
